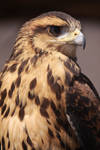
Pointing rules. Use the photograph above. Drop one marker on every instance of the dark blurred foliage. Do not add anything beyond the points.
(31, 8)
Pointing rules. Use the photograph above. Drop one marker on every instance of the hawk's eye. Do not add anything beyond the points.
(57, 30)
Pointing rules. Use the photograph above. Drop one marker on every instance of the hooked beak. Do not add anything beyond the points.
(76, 37)
(80, 40)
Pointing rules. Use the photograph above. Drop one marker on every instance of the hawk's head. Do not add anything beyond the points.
(53, 31)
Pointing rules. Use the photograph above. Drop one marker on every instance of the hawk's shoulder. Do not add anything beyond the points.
(83, 110)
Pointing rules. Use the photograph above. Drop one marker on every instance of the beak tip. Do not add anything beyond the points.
(84, 43)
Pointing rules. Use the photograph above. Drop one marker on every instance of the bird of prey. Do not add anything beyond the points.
(46, 102)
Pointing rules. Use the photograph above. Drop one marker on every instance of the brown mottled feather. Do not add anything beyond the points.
(37, 85)
(32, 114)
(83, 110)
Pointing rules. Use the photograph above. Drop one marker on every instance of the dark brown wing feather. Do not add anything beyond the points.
(83, 109)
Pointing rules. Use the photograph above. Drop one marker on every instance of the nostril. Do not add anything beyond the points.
(75, 34)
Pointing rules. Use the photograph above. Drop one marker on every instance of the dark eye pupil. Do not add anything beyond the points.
(55, 30)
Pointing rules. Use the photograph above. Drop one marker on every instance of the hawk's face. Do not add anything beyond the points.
(55, 31)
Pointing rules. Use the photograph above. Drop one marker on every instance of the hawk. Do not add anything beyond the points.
(46, 102)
